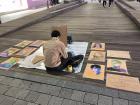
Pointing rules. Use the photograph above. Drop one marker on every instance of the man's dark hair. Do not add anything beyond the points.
(55, 33)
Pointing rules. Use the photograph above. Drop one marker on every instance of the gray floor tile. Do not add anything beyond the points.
(22, 94)
(1, 78)
(104, 100)
(117, 101)
(20, 102)
(32, 96)
(17, 92)
(129, 96)
(16, 82)
(69, 102)
(2, 97)
(8, 101)
(91, 98)
(35, 86)
(43, 99)
(25, 84)
(12, 91)
(7, 81)
(133, 103)
(55, 101)
(31, 104)
(66, 93)
(78, 95)
(80, 103)
(3, 88)
(49, 89)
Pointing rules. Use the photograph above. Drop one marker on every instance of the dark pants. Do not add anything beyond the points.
(110, 2)
(104, 3)
(74, 61)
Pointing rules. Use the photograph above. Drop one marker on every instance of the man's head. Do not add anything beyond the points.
(55, 33)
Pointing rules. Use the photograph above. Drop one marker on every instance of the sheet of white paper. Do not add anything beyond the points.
(76, 47)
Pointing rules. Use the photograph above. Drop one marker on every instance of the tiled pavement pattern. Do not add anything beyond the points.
(20, 92)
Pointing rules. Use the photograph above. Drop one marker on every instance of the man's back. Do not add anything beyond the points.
(53, 51)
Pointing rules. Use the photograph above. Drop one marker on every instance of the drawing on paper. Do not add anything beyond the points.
(9, 63)
(9, 52)
(97, 56)
(94, 71)
(116, 65)
(98, 46)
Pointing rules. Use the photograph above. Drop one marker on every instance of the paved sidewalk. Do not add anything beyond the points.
(21, 92)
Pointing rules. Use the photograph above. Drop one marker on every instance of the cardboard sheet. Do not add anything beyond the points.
(97, 56)
(9, 63)
(123, 82)
(63, 31)
(118, 54)
(37, 43)
(117, 66)
(98, 46)
(93, 71)
(23, 43)
(9, 52)
(25, 52)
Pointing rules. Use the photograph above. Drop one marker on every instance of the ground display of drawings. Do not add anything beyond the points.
(110, 68)
(115, 63)
(14, 54)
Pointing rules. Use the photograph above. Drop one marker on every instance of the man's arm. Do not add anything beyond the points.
(63, 51)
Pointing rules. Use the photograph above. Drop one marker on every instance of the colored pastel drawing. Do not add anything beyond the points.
(98, 46)
(116, 65)
(37, 43)
(9, 63)
(25, 52)
(9, 52)
(97, 56)
(94, 71)
(24, 43)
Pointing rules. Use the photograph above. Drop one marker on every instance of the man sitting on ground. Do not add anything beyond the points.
(56, 56)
